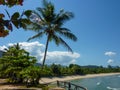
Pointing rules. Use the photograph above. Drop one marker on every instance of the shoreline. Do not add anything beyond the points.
(52, 80)
(48, 80)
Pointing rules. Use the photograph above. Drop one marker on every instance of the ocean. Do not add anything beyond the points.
(100, 83)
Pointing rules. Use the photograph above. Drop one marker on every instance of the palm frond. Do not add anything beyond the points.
(56, 39)
(43, 12)
(61, 29)
(38, 14)
(47, 12)
(67, 33)
(63, 17)
(59, 40)
(39, 35)
(45, 3)
(35, 27)
(65, 45)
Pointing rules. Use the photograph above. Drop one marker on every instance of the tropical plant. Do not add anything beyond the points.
(11, 3)
(31, 75)
(14, 61)
(47, 22)
(16, 19)
(56, 69)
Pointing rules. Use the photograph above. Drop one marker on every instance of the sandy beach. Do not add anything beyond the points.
(48, 80)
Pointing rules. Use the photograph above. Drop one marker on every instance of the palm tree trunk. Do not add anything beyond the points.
(45, 54)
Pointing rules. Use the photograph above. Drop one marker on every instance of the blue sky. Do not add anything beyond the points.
(96, 24)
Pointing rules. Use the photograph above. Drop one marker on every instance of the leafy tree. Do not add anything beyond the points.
(75, 69)
(46, 72)
(56, 69)
(64, 71)
(50, 23)
(14, 61)
(31, 75)
(11, 3)
(16, 19)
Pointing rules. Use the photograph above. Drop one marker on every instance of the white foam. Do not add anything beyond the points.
(98, 83)
(110, 88)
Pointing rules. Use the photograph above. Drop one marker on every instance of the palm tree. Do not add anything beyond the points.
(47, 22)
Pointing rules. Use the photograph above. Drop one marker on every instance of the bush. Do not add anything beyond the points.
(31, 75)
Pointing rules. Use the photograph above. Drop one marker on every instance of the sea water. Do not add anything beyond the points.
(100, 83)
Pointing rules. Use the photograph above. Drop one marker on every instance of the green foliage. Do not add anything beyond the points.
(17, 65)
(51, 24)
(15, 19)
(56, 69)
(11, 3)
(46, 72)
(31, 75)
(74, 69)
(28, 13)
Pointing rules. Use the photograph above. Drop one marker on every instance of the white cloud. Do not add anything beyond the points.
(35, 18)
(2, 47)
(110, 61)
(59, 57)
(110, 53)
(63, 58)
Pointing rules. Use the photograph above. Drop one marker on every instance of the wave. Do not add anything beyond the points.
(98, 83)
(110, 88)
